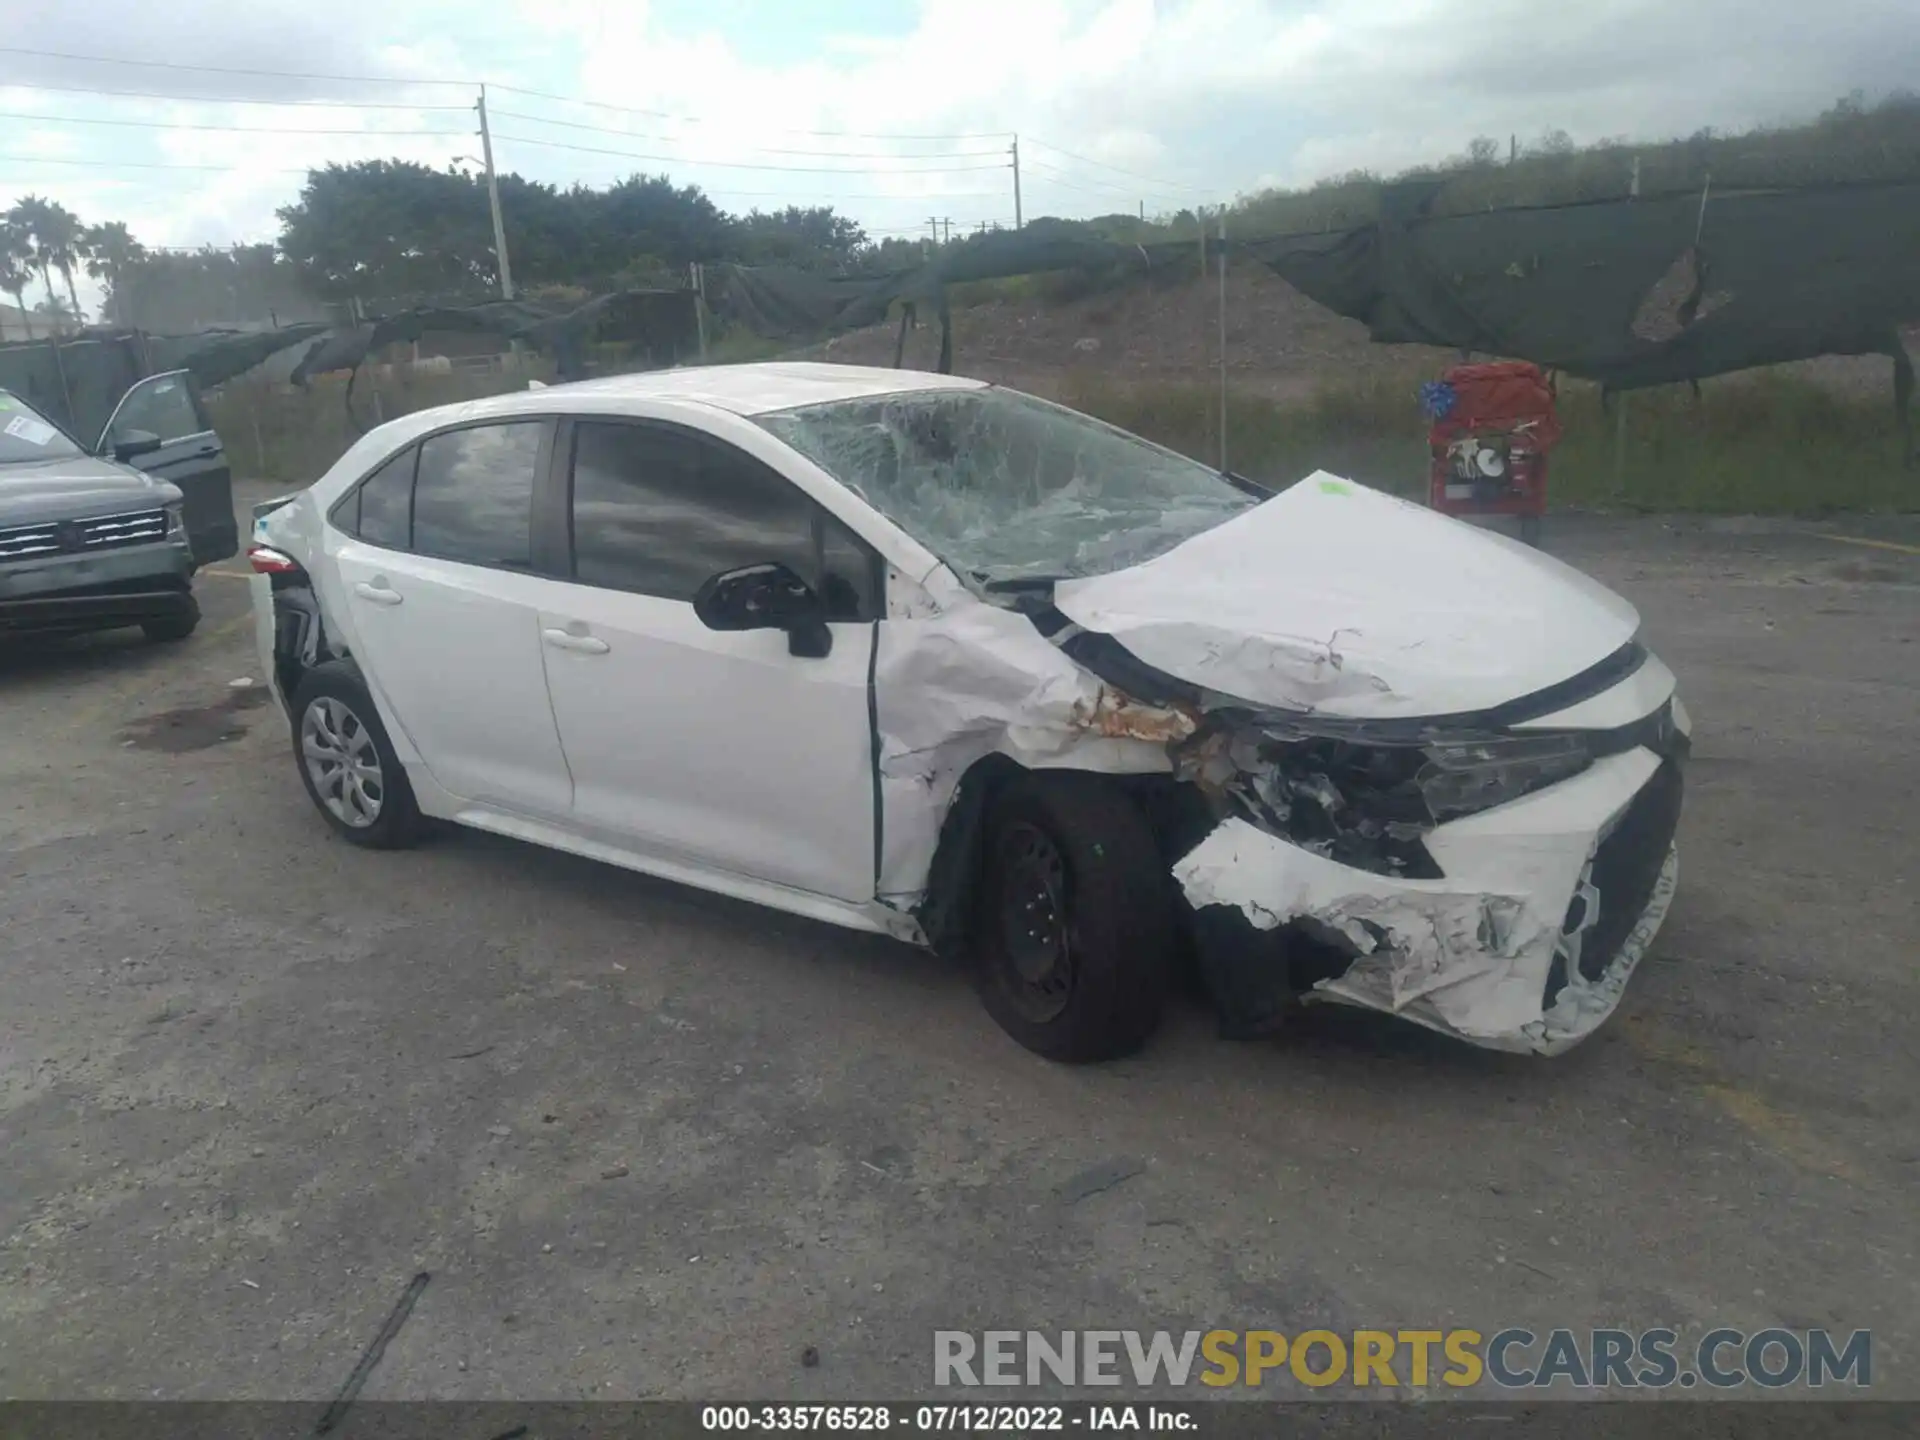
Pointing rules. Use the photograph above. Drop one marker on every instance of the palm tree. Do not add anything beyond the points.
(112, 253)
(16, 267)
(57, 241)
(57, 313)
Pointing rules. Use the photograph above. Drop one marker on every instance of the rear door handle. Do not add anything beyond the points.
(378, 594)
(584, 644)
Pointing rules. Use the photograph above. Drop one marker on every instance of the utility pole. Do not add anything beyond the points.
(946, 230)
(933, 229)
(1018, 221)
(1223, 339)
(493, 199)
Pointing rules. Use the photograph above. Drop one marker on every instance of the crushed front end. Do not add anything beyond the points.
(1497, 877)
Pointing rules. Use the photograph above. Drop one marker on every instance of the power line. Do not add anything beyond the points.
(803, 199)
(699, 120)
(145, 164)
(764, 149)
(225, 69)
(234, 129)
(230, 99)
(469, 84)
(809, 201)
(748, 165)
(1101, 164)
(1049, 176)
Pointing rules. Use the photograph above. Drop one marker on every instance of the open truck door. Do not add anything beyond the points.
(161, 426)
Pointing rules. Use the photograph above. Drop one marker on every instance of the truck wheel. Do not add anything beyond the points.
(1074, 930)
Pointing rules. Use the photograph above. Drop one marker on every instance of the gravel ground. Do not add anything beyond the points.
(650, 1143)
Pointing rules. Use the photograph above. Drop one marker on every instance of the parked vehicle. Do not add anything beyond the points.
(916, 654)
(95, 538)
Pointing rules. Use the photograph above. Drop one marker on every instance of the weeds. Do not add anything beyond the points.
(1758, 443)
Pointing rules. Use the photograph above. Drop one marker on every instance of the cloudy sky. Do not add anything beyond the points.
(1117, 103)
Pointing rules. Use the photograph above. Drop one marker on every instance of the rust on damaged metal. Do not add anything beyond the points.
(1119, 716)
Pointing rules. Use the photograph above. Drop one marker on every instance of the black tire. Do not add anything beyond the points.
(1073, 927)
(335, 700)
(169, 629)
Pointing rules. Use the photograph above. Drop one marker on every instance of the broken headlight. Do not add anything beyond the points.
(1369, 802)
(1462, 777)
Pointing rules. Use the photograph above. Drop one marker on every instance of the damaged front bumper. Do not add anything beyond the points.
(1544, 908)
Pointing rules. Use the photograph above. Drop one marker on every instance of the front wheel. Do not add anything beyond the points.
(1074, 930)
(347, 763)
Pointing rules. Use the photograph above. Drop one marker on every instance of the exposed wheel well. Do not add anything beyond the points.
(1177, 815)
(300, 640)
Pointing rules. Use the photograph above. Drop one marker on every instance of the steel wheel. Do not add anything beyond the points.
(1035, 930)
(343, 762)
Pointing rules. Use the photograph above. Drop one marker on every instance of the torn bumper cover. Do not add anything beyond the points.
(1521, 936)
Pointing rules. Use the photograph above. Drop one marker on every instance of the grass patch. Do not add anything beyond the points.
(1757, 444)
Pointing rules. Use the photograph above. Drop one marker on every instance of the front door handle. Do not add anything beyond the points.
(378, 594)
(567, 640)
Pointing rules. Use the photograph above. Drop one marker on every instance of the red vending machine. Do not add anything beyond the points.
(1492, 427)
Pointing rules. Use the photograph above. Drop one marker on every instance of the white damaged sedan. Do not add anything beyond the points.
(920, 655)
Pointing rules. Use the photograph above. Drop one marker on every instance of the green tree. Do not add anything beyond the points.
(16, 266)
(390, 231)
(112, 255)
(805, 237)
(58, 242)
(650, 216)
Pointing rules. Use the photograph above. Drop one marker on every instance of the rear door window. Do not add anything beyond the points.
(382, 510)
(473, 496)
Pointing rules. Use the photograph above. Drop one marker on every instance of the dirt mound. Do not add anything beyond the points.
(1279, 343)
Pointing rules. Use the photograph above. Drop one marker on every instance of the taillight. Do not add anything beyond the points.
(268, 561)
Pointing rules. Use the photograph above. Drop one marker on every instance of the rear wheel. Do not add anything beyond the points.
(1074, 932)
(347, 763)
(177, 626)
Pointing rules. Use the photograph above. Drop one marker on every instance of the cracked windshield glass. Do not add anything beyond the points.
(1008, 488)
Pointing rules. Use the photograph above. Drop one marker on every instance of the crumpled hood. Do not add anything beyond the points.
(1343, 600)
(76, 489)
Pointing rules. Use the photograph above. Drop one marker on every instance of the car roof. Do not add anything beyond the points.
(742, 389)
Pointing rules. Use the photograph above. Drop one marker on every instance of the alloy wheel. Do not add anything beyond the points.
(343, 762)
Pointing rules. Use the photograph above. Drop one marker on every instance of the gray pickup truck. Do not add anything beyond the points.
(95, 538)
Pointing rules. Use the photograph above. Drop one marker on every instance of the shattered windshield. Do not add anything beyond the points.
(25, 436)
(1005, 487)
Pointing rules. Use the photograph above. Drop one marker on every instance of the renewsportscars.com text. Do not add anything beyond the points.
(1512, 1358)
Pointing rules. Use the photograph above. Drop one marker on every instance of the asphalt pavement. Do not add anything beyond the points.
(649, 1143)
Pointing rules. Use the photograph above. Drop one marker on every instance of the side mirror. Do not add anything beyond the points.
(132, 444)
(766, 597)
